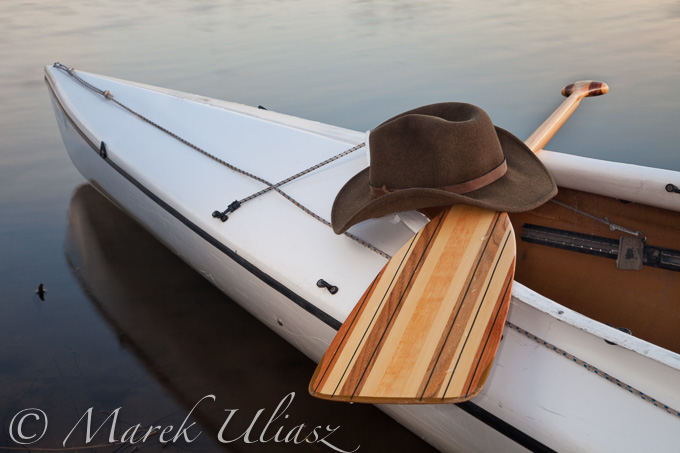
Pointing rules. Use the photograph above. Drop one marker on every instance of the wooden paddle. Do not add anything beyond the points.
(428, 327)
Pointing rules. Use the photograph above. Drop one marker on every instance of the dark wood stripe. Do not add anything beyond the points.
(484, 300)
(596, 88)
(568, 90)
(328, 361)
(497, 302)
(449, 343)
(493, 332)
(376, 281)
(393, 298)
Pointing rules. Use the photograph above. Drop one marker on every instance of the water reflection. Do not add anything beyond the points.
(196, 342)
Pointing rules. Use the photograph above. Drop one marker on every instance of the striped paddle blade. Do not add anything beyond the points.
(427, 329)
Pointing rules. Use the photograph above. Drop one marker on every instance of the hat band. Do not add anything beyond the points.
(464, 187)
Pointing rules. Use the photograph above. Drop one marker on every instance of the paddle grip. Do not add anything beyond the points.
(590, 87)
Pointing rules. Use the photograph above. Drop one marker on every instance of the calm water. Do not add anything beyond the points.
(125, 324)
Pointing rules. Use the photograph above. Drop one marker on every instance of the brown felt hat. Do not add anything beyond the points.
(439, 155)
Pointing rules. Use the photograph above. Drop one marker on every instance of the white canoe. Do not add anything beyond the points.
(562, 379)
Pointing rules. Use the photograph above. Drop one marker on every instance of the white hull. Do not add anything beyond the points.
(534, 398)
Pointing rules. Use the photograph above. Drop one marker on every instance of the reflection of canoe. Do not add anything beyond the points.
(557, 378)
(196, 342)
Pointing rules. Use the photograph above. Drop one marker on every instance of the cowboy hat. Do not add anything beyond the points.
(439, 155)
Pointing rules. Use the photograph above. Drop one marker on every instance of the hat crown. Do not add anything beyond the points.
(433, 146)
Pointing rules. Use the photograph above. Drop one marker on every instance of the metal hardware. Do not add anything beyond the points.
(324, 284)
(102, 150)
(612, 226)
(625, 251)
(630, 254)
(622, 329)
(223, 216)
(672, 188)
(568, 240)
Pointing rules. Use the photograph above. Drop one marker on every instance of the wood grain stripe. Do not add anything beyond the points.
(449, 344)
(415, 331)
(353, 336)
(492, 336)
(328, 361)
(393, 298)
(428, 327)
(484, 302)
(475, 331)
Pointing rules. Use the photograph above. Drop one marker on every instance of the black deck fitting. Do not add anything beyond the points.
(324, 284)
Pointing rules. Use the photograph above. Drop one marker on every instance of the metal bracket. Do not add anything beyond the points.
(630, 254)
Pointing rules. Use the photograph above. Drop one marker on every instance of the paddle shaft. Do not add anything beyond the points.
(575, 93)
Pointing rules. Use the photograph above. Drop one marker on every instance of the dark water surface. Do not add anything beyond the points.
(124, 323)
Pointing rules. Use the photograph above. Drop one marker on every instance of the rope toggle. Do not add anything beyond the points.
(672, 188)
(324, 284)
(223, 216)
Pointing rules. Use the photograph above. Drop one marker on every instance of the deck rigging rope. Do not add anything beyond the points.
(612, 226)
(622, 385)
(236, 204)
(304, 172)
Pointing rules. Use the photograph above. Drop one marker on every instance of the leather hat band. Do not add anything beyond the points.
(464, 187)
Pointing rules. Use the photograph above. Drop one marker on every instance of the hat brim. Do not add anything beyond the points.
(525, 186)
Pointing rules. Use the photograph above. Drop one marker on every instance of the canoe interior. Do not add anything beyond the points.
(645, 301)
